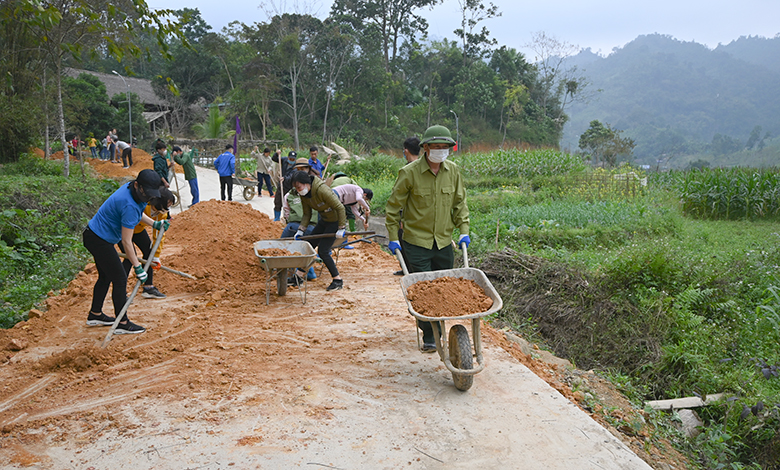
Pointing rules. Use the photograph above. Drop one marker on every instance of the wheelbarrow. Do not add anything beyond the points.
(249, 185)
(278, 267)
(456, 353)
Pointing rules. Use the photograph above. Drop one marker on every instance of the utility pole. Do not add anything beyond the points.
(129, 106)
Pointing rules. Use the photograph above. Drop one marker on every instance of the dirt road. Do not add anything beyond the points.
(220, 380)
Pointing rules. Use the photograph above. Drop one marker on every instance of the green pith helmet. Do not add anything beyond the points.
(437, 135)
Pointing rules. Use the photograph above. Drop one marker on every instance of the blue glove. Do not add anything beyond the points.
(161, 224)
(298, 234)
(341, 233)
(394, 246)
(464, 239)
(140, 273)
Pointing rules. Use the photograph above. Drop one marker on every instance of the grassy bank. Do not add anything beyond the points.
(40, 231)
(640, 282)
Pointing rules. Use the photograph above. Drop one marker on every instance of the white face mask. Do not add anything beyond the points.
(304, 191)
(438, 155)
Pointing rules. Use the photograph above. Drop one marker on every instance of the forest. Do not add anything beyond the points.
(366, 76)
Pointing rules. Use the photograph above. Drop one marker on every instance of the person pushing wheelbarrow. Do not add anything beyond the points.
(431, 195)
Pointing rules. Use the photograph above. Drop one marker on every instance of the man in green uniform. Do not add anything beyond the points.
(190, 173)
(432, 197)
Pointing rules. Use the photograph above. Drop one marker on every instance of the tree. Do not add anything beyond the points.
(87, 106)
(755, 137)
(604, 143)
(557, 84)
(393, 19)
(22, 71)
(71, 29)
(216, 124)
(286, 44)
(476, 45)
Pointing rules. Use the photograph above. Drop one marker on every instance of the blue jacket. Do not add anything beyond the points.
(225, 164)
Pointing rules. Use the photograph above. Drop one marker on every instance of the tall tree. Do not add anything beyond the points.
(287, 43)
(70, 29)
(394, 19)
(476, 43)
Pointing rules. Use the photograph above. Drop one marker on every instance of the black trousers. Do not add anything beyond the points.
(226, 182)
(420, 260)
(324, 245)
(127, 155)
(144, 243)
(110, 273)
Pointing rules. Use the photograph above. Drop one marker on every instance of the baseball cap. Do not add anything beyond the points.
(150, 181)
(292, 154)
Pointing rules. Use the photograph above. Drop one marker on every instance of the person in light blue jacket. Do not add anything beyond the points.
(225, 165)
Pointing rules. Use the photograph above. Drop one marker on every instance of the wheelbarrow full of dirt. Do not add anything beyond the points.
(278, 267)
(249, 185)
(456, 353)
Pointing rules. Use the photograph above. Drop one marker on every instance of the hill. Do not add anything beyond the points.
(680, 98)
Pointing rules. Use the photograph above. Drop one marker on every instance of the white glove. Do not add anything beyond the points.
(298, 234)
(341, 233)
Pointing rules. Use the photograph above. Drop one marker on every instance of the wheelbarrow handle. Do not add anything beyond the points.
(328, 235)
(401, 261)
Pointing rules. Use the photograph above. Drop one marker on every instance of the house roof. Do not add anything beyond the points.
(114, 85)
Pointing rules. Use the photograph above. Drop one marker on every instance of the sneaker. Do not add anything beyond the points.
(125, 167)
(295, 280)
(348, 247)
(128, 328)
(336, 284)
(428, 347)
(99, 320)
(152, 293)
(400, 272)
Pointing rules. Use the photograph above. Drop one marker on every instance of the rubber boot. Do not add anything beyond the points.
(277, 216)
(351, 225)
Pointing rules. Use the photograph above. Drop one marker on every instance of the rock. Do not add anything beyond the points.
(690, 422)
(524, 346)
(550, 358)
(17, 344)
(34, 313)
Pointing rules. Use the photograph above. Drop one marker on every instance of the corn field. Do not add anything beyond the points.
(518, 163)
(734, 193)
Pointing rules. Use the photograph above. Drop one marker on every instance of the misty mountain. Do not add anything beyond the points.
(675, 98)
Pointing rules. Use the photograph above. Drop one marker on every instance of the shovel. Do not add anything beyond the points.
(164, 268)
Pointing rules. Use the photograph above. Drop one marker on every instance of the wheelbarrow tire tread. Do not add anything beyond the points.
(249, 193)
(281, 282)
(461, 357)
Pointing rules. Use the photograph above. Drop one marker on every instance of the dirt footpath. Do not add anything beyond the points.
(220, 380)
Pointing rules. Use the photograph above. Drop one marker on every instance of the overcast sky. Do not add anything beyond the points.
(598, 24)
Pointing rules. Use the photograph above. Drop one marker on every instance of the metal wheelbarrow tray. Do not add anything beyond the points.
(458, 356)
(278, 266)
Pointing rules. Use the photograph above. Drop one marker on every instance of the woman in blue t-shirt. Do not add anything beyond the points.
(114, 223)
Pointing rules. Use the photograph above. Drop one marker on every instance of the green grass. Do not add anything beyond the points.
(40, 231)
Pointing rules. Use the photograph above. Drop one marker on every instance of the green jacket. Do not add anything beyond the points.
(432, 205)
(160, 165)
(296, 208)
(323, 200)
(186, 161)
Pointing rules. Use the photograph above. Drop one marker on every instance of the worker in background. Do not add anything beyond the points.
(431, 194)
(225, 165)
(187, 161)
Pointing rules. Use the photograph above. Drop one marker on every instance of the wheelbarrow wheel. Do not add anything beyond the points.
(249, 193)
(460, 356)
(281, 282)
(175, 198)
